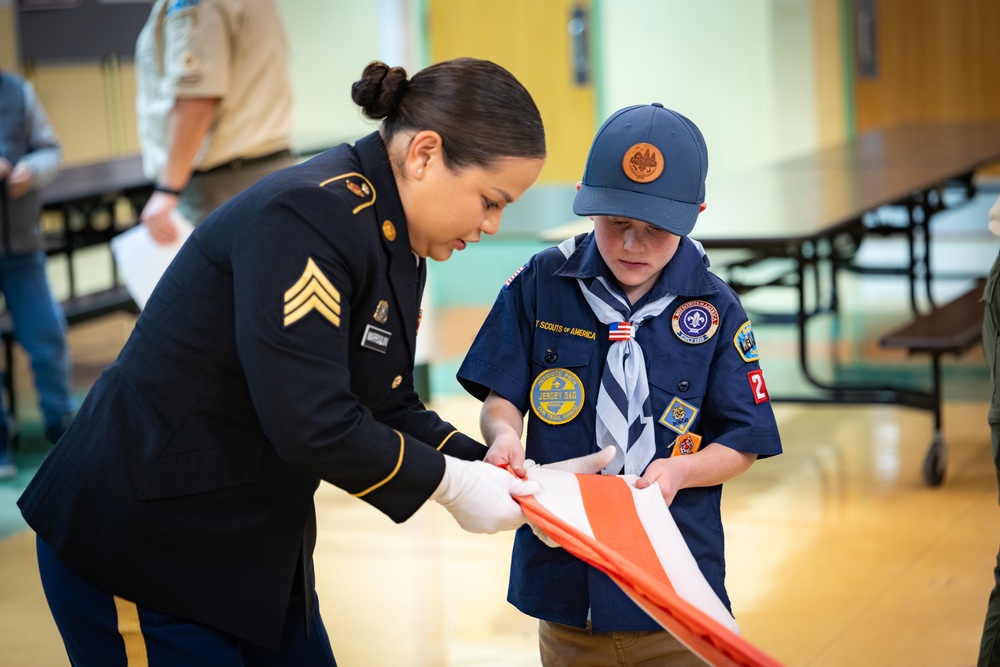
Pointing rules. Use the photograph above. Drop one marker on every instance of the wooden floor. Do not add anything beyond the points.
(838, 554)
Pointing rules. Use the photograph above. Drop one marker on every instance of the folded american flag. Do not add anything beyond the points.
(628, 534)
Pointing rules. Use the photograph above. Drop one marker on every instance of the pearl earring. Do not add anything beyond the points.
(419, 171)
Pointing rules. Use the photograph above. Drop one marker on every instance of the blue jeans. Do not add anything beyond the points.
(39, 328)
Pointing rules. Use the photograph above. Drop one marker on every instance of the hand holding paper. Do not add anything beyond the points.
(141, 260)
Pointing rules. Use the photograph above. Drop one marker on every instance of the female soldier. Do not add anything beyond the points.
(175, 519)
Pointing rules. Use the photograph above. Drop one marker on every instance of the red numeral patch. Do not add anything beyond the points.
(757, 386)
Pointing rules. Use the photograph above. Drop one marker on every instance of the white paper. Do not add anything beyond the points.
(141, 260)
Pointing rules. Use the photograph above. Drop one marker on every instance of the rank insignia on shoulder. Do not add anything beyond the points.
(695, 322)
(745, 343)
(685, 444)
(557, 396)
(679, 416)
(312, 291)
(381, 314)
(356, 184)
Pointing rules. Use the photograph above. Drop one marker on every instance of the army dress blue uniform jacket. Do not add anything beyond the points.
(540, 322)
(276, 351)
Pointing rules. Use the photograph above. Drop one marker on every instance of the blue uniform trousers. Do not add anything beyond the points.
(40, 328)
(103, 630)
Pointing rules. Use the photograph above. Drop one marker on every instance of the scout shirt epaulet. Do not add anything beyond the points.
(357, 185)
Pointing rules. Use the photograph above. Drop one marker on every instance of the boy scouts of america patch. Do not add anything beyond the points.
(557, 396)
(643, 163)
(678, 416)
(686, 444)
(745, 343)
(695, 321)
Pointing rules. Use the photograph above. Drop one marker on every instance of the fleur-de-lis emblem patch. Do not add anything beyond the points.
(312, 291)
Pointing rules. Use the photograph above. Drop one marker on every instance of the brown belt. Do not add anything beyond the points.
(243, 163)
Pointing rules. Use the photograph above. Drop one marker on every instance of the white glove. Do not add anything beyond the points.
(590, 464)
(478, 495)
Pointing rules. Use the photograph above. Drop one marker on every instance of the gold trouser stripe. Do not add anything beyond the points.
(399, 464)
(446, 439)
(128, 628)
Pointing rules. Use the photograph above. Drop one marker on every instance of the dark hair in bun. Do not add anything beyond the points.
(480, 110)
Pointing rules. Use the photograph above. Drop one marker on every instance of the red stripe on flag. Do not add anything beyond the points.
(616, 524)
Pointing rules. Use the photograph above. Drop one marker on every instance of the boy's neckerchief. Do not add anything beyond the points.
(624, 413)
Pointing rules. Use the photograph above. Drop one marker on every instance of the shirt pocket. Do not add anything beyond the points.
(553, 351)
(676, 393)
(560, 369)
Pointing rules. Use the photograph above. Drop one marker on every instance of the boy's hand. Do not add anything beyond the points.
(664, 473)
(507, 452)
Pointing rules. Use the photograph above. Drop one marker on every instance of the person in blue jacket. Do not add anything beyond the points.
(622, 337)
(175, 519)
(30, 156)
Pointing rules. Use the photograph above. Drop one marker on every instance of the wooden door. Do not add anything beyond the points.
(925, 60)
(532, 39)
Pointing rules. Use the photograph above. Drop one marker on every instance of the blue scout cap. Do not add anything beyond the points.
(646, 163)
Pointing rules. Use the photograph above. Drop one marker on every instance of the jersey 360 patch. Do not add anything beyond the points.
(695, 321)
(745, 343)
(556, 396)
(679, 416)
(312, 292)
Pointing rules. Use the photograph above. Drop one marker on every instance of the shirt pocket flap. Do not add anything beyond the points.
(685, 380)
(552, 351)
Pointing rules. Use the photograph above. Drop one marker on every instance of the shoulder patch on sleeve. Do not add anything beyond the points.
(515, 275)
(312, 291)
(745, 343)
(356, 184)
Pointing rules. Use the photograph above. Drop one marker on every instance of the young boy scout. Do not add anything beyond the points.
(623, 337)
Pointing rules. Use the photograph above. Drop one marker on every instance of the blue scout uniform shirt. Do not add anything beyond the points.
(712, 388)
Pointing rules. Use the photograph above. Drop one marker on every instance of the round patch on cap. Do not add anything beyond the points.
(557, 396)
(643, 163)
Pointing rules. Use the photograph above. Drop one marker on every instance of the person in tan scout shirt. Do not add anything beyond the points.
(214, 104)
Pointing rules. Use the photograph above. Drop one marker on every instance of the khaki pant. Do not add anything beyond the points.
(209, 190)
(567, 646)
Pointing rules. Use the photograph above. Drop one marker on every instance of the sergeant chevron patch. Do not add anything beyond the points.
(312, 291)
